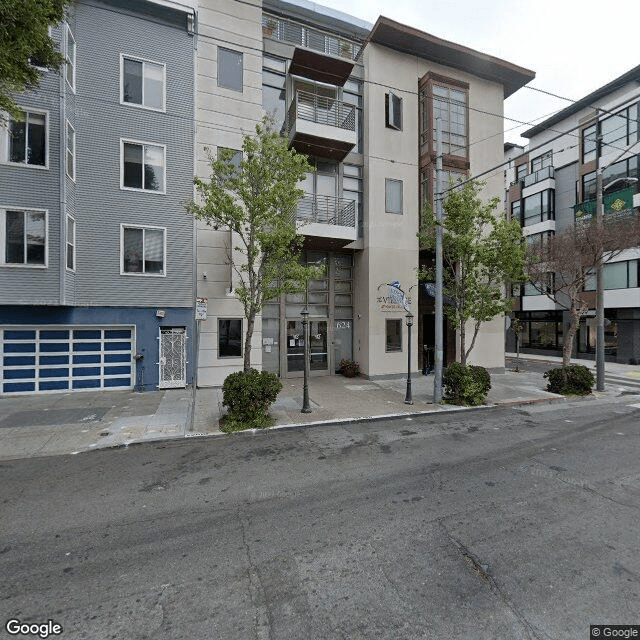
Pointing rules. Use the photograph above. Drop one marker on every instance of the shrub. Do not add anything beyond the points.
(248, 397)
(572, 379)
(349, 368)
(466, 385)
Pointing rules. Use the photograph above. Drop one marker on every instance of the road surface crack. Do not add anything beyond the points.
(482, 570)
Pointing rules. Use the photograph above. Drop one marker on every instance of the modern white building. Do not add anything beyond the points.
(552, 184)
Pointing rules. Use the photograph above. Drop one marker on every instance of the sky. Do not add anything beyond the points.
(573, 46)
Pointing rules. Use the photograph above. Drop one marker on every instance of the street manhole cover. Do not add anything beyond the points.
(53, 417)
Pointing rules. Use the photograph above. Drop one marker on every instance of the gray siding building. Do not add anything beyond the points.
(97, 252)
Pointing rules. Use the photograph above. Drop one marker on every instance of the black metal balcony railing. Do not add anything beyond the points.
(538, 176)
(326, 210)
(322, 110)
(295, 33)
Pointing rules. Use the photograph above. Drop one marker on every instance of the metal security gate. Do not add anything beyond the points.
(173, 357)
(63, 358)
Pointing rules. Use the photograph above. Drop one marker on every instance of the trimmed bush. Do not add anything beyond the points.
(349, 368)
(466, 385)
(574, 379)
(248, 397)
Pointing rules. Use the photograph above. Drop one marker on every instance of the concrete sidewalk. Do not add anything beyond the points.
(54, 424)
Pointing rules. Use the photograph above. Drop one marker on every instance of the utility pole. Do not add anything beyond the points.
(437, 371)
(600, 267)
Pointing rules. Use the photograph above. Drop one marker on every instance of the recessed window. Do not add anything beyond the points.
(143, 83)
(545, 160)
(229, 69)
(393, 111)
(393, 335)
(71, 243)
(393, 196)
(232, 156)
(71, 151)
(143, 250)
(229, 337)
(521, 171)
(143, 166)
(25, 237)
(70, 72)
(589, 144)
(27, 139)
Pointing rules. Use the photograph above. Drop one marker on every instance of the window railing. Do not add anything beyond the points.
(295, 33)
(326, 210)
(322, 110)
(538, 176)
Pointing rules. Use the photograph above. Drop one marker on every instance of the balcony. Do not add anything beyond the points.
(321, 56)
(329, 220)
(321, 126)
(538, 176)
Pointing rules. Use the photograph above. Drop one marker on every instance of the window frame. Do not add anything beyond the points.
(392, 108)
(68, 152)
(547, 155)
(386, 334)
(387, 181)
(124, 226)
(71, 244)
(126, 56)
(218, 67)
(225, 319)
(124, 141)
(5, 132)
(3, 238)
(71, 64)
(446, 85)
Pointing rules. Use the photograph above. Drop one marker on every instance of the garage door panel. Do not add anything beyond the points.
(66, 358)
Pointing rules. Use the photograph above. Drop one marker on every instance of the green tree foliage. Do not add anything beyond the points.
(482, 252)
(257, 200)
(24, 36)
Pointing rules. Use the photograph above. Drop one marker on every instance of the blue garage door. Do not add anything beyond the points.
(54, 358)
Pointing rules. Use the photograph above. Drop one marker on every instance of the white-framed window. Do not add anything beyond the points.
(71, 243)
(143, 250)
(142, 166)
(70, 71)
(26, 141)
(142, 83)
(393, 111)
(393, 195)
(71, 151)
(23, 237)
(230, 69)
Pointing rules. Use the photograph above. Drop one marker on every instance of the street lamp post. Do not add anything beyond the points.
(306, 406)
(408, 399)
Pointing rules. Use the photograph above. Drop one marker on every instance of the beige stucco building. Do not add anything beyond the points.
(359, 101)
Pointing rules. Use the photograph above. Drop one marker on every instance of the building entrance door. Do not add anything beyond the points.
(317, 346)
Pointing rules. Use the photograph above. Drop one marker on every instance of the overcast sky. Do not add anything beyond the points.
(574, 46)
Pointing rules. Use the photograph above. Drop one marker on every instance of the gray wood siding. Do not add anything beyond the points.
(38, 188)
(101, 206)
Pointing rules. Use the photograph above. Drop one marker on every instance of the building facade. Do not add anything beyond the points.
(97, 254)
(359, 101)
(551, 187)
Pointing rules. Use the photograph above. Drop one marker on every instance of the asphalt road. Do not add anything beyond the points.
(498, 523)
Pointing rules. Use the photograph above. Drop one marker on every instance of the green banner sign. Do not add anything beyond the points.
(614, 203)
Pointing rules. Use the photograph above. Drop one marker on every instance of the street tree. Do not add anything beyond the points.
(564, 265)
(24, 39)
(482, 254)
(257, 200)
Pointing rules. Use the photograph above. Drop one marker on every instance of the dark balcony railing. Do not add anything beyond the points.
(538, 176)
(298, 34)
(326, 210)
(322, 110)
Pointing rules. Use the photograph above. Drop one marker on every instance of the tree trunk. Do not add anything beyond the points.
(463, 353)
(567, 347)
(251, 320)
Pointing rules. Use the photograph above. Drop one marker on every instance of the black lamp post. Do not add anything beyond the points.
(408, 399)
(306, 407)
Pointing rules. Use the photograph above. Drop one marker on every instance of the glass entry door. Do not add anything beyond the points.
(317, 343)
